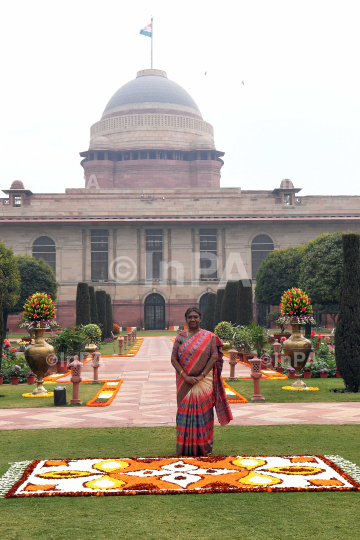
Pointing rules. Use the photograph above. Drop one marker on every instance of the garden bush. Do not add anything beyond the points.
(109, 317)
(219, 298)
(245, 314)
(228, 311)
(210, 312)
(101, 311)
(93, 307)
(92, 333)
(82, 304)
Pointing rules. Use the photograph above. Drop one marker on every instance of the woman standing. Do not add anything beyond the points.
(197, 359)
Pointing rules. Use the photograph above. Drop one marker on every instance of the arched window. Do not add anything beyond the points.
(44, 248)
(202, 304)
(261, 246)
(154, 312)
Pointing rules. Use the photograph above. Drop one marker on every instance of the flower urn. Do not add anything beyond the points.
(39, 357)
(30, 379)
(14, 380)
(323, 375)
(291, 374)
(297, 349)
(307, 374)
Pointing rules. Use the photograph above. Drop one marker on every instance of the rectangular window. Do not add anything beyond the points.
(135, 155)
(177, 156)
(99, 253)
(119, 156)
(127, 156)
(110, 156)
(203, 155)
(100, 156)
(154, 253)
(208, 254)
(17, 201)
(170, 155)
(161, 154)
(143, 155)
(152, 154)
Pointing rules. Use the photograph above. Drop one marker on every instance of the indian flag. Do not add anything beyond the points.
(146, 31)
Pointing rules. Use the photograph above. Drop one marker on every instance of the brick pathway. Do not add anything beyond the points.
(147, 397)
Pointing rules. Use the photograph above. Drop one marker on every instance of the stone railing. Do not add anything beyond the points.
(138, 121)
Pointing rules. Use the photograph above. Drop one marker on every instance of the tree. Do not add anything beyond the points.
(109, 317)
(101, 310)
(245, 313)
(93, 306)
(219, 298)
(10, 278)
(228, 311)
(210, 312)
(1, 325)
(320, 272)
(279, 272)
(36, 276)
(82, 304)
(347, 335)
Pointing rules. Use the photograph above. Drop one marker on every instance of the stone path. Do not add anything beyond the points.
(147, 397)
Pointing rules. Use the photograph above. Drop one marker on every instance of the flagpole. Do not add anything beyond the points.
(152, 33)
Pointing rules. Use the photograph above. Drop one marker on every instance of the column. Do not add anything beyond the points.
(220, 253)
(165, 253)
(88, 255)
(142, 255)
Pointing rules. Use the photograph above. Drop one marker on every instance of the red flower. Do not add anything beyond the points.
(304, 308)
(313, 334)
(35, 315)
(283, 339)
(291, 312)
(296, 306)
(318, 344)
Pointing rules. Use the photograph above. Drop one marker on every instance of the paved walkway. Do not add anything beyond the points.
(147, 397)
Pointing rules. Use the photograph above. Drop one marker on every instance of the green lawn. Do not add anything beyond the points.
(11, 395)
(273, 393)
(245, 516)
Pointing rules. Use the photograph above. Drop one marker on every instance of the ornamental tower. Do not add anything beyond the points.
(152, 135)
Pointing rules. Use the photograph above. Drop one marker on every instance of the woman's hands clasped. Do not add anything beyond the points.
(193, 380)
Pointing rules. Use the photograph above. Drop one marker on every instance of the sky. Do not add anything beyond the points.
(296, 116)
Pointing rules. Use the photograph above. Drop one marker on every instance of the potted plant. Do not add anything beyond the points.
(323, 373)
(225, 331)
(1, 378)
(279, 366)
(307, 373)
(291, 373)
(14, 374)
(30, 377)
(68, 342)
(337, 373)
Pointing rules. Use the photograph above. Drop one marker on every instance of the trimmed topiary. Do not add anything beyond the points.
(245, 312)
(101, 310)
(93, 306)
(1, 323)
(82, 304)
(347, 335)
(208, 317)
(219, 297)
(229, 303)
(109, 317)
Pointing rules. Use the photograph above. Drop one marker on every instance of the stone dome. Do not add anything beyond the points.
(101, 143)
(286, 184)
(17, 184)
(203, 143)
(150, 86)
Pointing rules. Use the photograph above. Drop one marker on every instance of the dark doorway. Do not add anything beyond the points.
(154, 312)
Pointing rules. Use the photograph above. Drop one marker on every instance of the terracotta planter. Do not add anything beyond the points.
(291, 374)
(1, 380)
(279, 369)
(61, 366)
(30, 380)
(14, 380)
(338, 376)
(323, 375)
(307, 374)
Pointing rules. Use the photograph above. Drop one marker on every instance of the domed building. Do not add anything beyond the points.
(152, 226)
(152, 134)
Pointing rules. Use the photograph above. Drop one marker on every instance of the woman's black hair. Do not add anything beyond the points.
(197, 310)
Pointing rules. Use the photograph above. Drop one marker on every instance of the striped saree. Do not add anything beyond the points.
(195, 414)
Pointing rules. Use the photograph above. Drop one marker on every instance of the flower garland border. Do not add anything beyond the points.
(133, 348)
(239, 399)
(31, 395)
(117, 384)
(13, 474)
(309, 388)
(332, 461)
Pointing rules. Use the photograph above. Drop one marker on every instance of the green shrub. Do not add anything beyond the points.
(209, 312)
(347, 335)
(109, 317)
(92, 333)
(225, 331)
(219, 298)
(93, 307)
(82, 304)
(245, 314)
(229, 303)
(101, 310)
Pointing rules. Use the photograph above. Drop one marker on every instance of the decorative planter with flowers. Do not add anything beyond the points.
(1, 378)
(39, 310)
(30, 377)
(323, 373)
(14, 375)
(279, 367)
(296, 309)
(307, 373)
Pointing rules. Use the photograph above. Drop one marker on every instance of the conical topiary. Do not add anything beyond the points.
(101, 310)
(219, 297)
(347, 335)
(228, 305)
(208, 316)
(109, 317)
(82, 304)
(93, 306)
(245, 314)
